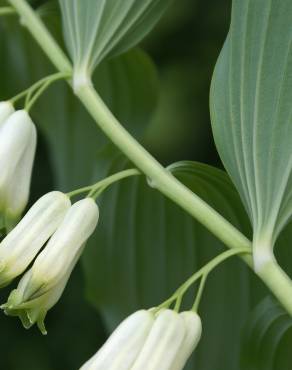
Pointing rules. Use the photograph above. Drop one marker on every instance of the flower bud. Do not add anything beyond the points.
(41, 287)
(17, 151)
(123, 346)
(146, 341)
(193, 326)
(6, 109)
(21, 245)
(163, 343)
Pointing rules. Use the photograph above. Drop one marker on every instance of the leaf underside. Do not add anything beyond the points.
(252, 113)
(95, 29)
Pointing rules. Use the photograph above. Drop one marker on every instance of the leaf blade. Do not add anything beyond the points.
(251, 113)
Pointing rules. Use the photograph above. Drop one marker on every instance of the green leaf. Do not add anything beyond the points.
(251, 112)
(145, 247)
(267, 338)
(96, 29)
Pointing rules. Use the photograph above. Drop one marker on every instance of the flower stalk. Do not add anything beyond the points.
(200, 274)
(96, 188)
(37, 89)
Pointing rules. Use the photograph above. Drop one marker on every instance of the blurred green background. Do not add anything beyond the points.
(184, 47)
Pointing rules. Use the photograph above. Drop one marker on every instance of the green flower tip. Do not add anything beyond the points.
(27, 315)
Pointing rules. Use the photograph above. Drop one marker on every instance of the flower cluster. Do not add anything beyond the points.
(52, 234)
(149, 341)
(65, 228)
(44, 247)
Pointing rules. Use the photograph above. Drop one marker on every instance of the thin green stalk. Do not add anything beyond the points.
(210, 266)
(26, 92)
(200, 293)
(73, 193)
(161, 178)
(103, 184)
(178, 303)
(98, 192)
(204, 271)
(29, 91)
(46, 83)
(278, 282)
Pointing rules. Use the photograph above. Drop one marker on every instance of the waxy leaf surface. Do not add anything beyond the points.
(251, 111)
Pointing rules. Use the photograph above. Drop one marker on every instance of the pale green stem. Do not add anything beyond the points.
(278, 282)
(200, 293)
(178, 303)
(29, 91)
(161, 178)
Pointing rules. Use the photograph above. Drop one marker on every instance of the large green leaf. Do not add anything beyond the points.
(267, 338)
(95, 29)
(252, 113)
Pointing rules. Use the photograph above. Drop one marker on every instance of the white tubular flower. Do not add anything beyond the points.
(193, 326)
(21, 245)
(163, 343)
(41, 287)
(122, 348)
(6, 109)
(148, 341)
(17, 150)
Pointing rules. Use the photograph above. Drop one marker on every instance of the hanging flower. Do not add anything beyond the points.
(42, 286)
(22, 244)
(17, 151)
(149, 341)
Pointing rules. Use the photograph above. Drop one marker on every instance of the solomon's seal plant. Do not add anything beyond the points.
(251, 114)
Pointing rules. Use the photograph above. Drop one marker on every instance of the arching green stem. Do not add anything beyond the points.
(200, 292)
(46, 81)
(202, 273)
(103, 184)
